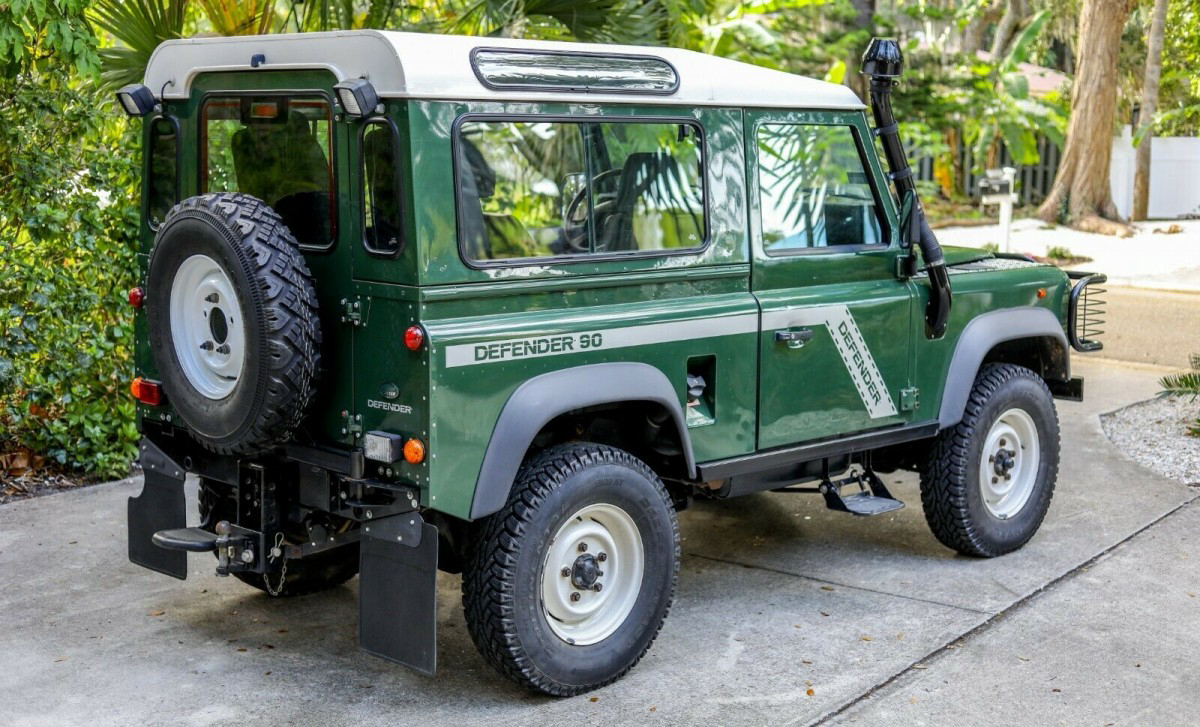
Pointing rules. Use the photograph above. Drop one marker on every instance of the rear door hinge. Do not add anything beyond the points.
(910, 398)
(352, 425)
(354, 311)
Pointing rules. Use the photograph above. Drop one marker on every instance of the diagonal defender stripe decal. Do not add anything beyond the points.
(848, 339)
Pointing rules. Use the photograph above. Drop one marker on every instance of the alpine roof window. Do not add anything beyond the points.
(536, 189)
(513, 69)
(276, 148)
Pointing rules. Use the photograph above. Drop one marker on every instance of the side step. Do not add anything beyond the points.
(191, 540)
(872, 497)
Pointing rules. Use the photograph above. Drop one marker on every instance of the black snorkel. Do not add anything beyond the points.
(883, 63)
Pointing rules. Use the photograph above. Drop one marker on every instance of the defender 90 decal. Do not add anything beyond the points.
(471, 354)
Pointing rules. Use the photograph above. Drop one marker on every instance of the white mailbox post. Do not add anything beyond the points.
(999, 187)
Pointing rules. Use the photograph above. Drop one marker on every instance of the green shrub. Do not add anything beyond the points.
(1185, 384)
(991, 247)
(1057, 252)
(68, 221)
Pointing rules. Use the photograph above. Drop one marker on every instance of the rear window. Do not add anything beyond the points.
(530, 189)
(276, 148)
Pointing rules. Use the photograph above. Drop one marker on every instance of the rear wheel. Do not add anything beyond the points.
(317, 572)
(567, 586)
(987, 482)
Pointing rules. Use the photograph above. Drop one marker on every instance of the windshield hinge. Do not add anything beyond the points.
(910, 398)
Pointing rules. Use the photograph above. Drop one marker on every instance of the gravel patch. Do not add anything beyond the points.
(1154, 434)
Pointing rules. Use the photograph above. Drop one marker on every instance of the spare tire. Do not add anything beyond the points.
(233, 322)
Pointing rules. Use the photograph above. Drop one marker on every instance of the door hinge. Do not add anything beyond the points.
(352, 425)
(353, 311)
(910, 398)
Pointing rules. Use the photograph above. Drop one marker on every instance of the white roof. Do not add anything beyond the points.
(417, 65)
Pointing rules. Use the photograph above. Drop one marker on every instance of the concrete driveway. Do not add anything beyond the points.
(786, 613)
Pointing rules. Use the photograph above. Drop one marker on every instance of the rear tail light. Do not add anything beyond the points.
(146, 391)
(414, 337)
(136, 297)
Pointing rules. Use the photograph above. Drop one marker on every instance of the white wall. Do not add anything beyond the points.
(1174, 175)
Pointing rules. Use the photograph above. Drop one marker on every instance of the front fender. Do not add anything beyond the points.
(542, 398)
(982, 334)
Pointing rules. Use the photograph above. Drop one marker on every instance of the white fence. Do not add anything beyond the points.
(1174, 175)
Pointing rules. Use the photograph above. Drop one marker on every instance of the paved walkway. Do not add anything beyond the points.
(1146, 260)
(778, 596)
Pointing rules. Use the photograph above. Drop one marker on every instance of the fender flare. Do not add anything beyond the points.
(540, 399)
(979, 337)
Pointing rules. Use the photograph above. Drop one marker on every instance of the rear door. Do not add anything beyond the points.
(834, 344)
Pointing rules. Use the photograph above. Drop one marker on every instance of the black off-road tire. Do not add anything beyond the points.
(278, 311)
(951, 493)
(317, 572)
(501, 581)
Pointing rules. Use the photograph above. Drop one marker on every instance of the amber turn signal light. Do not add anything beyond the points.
(1041, 293)
(146, 391)
(414, 337)
(414, 451)
(136, 297)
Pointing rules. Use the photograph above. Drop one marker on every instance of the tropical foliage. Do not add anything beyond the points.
(68, 160)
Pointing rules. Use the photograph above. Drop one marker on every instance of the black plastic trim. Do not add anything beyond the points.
(861, 442)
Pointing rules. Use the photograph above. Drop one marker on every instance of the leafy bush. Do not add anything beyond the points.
(1185, 384)
(69, 221)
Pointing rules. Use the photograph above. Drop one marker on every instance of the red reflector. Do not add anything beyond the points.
(147, 392)
(136, 297)
(414, 337)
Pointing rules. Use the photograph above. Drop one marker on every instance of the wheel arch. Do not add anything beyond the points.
(1030, 337)
(542, 399)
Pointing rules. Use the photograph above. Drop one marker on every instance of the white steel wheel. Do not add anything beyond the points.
(207, 327)
(1009, 463)
(592, 574)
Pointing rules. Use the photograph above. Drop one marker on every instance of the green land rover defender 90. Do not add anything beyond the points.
(502, 308)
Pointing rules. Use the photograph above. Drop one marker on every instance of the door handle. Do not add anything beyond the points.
(794, 339)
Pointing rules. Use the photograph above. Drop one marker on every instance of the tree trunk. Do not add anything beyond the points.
(974, 34)
(1014, 14)
(864, 19)
(1141, 179)
(1082, 187)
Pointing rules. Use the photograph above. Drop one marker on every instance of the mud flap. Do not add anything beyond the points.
(397, 593)
(159, 507)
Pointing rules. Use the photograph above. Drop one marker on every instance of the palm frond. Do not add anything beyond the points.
(1184, 384)
(139, 26)
(234, 17)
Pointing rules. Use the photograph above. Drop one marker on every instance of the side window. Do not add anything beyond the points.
(162, 179)
(814, 190)
(381, 189)
(540, 189)
(279, 149)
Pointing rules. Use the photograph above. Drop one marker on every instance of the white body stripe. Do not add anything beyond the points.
(844, 331)
(556, 344)
(848, 339)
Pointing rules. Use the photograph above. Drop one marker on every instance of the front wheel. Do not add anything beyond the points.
(567, 586)
(987, 482)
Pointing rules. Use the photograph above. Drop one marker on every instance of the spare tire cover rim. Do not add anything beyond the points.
(207, 327)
